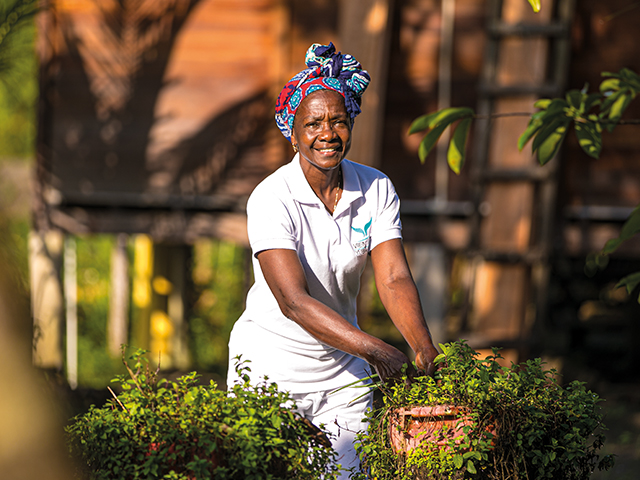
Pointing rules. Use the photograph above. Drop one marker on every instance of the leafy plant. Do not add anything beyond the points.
(589, 113)
(159, 428)
(18, 78)
(542, 429)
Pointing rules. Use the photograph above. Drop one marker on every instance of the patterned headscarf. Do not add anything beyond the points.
(326, 70)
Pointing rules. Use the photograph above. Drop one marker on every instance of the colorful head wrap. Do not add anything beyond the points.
(326, 70)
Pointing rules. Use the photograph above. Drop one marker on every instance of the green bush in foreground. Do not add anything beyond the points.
(542, 429)
(181, 430)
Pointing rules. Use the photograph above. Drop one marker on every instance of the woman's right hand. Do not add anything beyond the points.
(389, 362)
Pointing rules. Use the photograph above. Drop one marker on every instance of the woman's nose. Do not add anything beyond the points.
(327, 133)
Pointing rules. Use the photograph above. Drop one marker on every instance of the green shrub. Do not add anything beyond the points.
(158, 428)
(542, 429)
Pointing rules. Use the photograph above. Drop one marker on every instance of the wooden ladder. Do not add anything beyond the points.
(526, 58)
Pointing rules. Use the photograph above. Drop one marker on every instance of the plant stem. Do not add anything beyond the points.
(117, 400)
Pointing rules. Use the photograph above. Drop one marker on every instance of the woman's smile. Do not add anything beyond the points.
(322, 129)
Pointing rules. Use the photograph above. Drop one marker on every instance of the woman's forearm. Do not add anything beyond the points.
(402, 302)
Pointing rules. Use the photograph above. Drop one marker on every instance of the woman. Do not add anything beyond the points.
(311, 225)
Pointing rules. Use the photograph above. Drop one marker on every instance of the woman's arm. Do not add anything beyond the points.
(285, 276)
(400, 298)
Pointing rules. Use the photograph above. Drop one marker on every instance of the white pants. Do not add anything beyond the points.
(342, 414)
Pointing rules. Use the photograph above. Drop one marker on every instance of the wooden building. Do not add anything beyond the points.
(156, 118)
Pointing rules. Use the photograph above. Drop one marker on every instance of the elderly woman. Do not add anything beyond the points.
(311, 226)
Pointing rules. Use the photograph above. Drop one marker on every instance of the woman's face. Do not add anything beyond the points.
(322, 129)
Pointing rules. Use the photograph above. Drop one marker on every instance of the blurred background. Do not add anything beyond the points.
(132, 133)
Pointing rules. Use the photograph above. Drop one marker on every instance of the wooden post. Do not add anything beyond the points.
(118, 326)
(45, 264)
(364, 31)
(71, 309)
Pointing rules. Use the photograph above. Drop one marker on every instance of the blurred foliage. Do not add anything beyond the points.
(218, 274)
(18, 78)
(17, 249)
(95, 366)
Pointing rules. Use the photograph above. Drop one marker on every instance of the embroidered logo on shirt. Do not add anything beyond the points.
(361, 246)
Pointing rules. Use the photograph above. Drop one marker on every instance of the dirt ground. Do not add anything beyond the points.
(621, 406)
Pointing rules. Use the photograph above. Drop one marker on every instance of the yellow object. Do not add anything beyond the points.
(161, 325)
(142, 271)
(161, 285)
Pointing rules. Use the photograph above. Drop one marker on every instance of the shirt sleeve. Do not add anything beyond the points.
(387, 225)
(269, 223)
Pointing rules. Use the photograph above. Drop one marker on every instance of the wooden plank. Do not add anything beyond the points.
(499, 293)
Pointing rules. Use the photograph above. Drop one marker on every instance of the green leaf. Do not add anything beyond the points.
(549, 139)
(630, 228)
(619, 106)
(574, 98)
(457, 145)
(472, 454)
(429, 140)
(555, 107)
(471, 468)
(590, 101)
(458, 461)
(589, 138)
(610, 84)
(450, 115)
(444, 116)
(535, 124)
(630, 282)
(535, 4)
(543, 103)
(421, 123)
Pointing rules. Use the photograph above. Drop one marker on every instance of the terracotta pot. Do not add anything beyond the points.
(410, 427)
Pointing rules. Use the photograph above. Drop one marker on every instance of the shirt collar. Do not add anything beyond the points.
(303, 193)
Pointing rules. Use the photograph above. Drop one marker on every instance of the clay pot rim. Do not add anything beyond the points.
(431, 411)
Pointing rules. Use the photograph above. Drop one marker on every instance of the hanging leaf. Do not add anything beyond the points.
(547, 129)
(450, 115)
(535, 4)
(630, 228)
(610, 84)
(471, 468)
(458, 461)
(555, 107)
(589, 138)
(457, 145)
(549, 139)
(542, 103)
(429, 140)
(590, 101)
(630, 282)
(550, 111)
(618, 107)
(421, 123)
(535, 124)
(444, 116)
(574, 98)
(619, 89)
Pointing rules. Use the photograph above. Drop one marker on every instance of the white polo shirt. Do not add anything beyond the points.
(284, 212)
